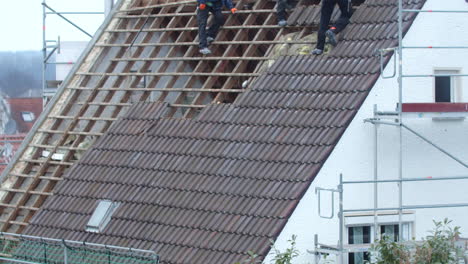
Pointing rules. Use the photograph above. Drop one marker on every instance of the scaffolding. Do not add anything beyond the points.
(34, 250)
(395, 118)
(51, 47)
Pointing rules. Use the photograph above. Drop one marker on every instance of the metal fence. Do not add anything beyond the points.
(29, 249)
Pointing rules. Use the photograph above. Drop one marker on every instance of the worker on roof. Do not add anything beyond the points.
(281, 8)
(204, 8)
(341, 23)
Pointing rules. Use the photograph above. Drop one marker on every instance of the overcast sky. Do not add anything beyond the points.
(21, 22)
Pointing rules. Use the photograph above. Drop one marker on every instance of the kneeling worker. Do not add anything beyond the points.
(341, 23)
(215, 7)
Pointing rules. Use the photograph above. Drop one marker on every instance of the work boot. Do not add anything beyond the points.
(282, 23)
(205, 51)
(316, 52)
(331, 37)
(209, 40)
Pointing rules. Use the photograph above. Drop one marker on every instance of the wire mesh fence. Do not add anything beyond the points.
(28, 249)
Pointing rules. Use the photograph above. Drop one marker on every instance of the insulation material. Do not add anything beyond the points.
(293, 49)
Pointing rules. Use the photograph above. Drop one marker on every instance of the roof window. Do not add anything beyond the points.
(27, 116)
(101, 216)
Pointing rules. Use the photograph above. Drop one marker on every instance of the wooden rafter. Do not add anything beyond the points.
(146, 52)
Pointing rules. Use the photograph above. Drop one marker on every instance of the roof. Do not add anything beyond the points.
(207, 190)
(7, 151)
(141, 52)
(24, 106)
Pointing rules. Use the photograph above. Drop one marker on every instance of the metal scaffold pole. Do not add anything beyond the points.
(49, 50)
(396, 119)
(376, 171)
(44, 51)
(341, 216)
(400, 114)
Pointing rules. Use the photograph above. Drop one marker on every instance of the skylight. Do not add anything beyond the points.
(27, 116)
(101, 216)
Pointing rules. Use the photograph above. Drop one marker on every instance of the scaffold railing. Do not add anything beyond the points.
(52, 47)
(398, 116)
(16, 248)
(321, 249)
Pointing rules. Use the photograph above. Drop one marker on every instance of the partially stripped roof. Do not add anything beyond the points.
(146, 50)
(209, 189)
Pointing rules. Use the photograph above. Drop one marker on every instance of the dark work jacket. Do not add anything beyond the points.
(226, 3)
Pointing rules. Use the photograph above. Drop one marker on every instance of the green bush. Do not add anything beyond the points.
(287, 256)
(390, 252)
(252, 259)
(439, 247)
(436, 248)
(279, 257)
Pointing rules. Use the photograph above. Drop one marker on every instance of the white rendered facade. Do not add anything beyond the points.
(354, 154)
(70, 51)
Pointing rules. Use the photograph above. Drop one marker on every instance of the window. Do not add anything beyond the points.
(27, 116)
(446, 87)
(391, 231)
(101, 216)
(365, 235)
(359, 235)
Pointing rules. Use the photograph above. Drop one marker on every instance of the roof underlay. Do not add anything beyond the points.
(197, 183)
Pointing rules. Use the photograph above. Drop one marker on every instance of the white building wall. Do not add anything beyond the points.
(353, 156)
(70, 51)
